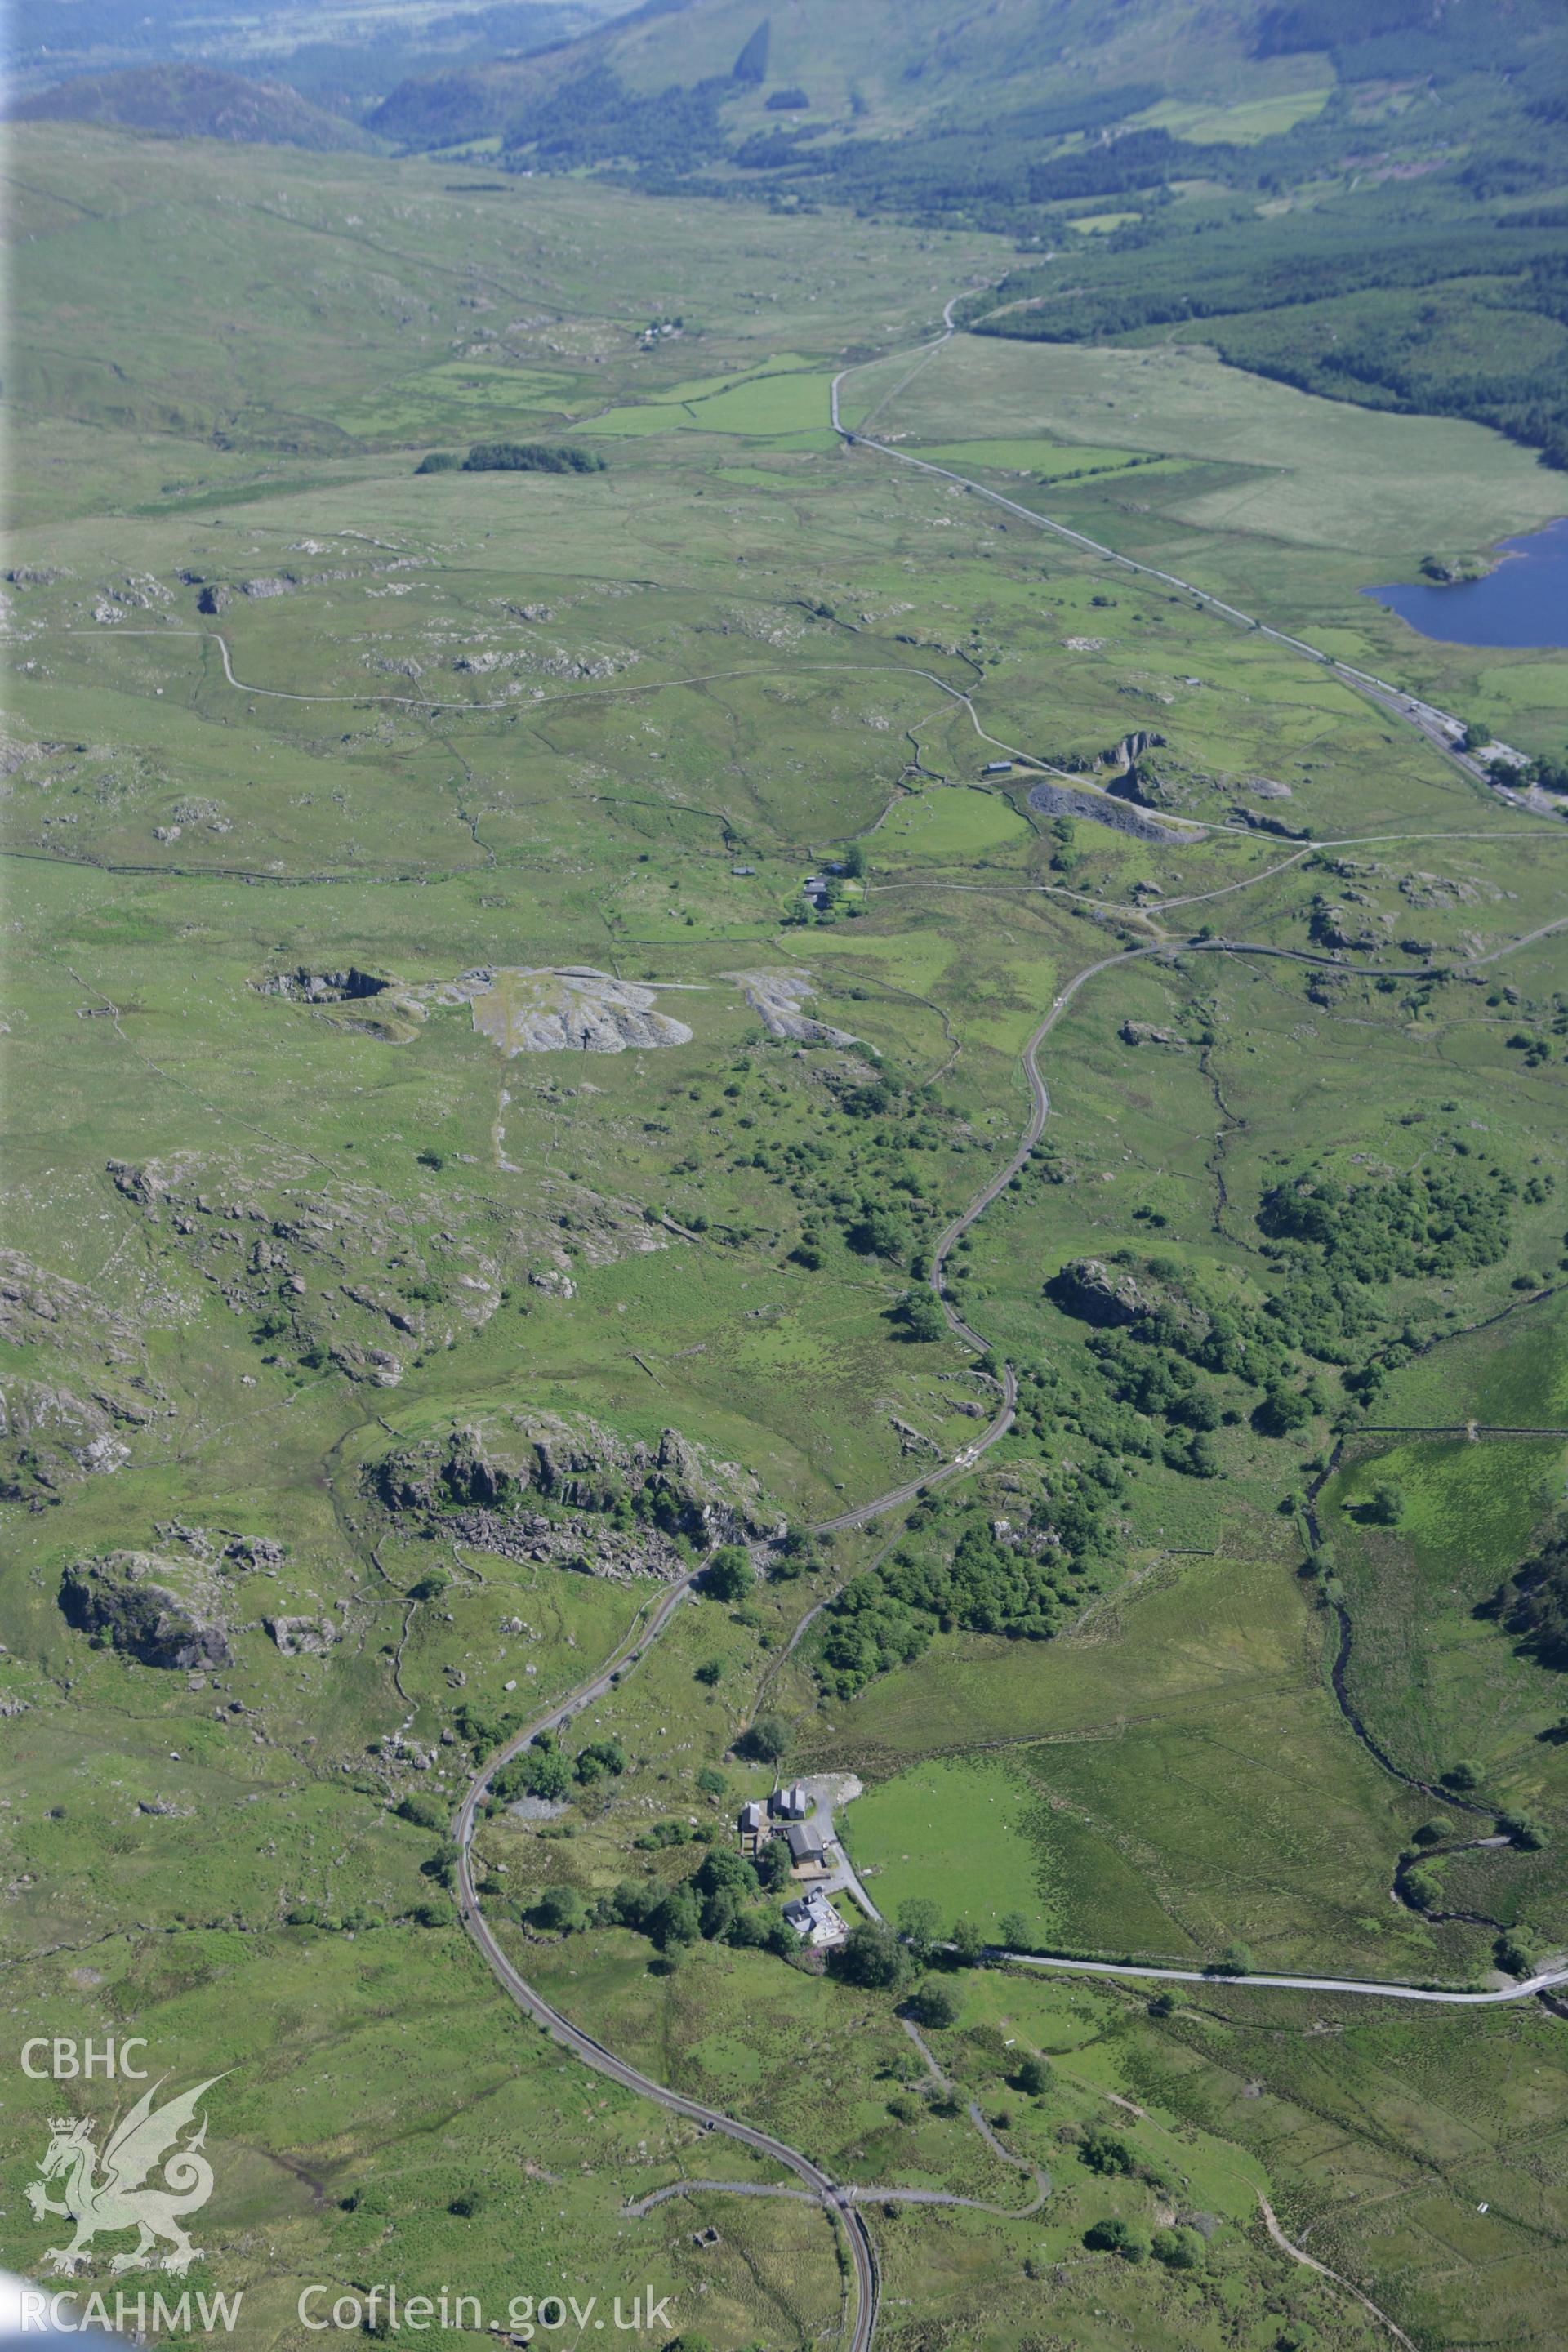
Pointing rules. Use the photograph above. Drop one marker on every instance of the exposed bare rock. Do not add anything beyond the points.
(618, 1554)
(302, 1637)
(778, 996)
(67, 1416)
(1100, 808)
(1442, 891)
(255, 1552)
(1108, 1294)
(576, 1008)
(1337, 927)
(1255, 821)
(376, 1364)
(1145, 1032)
(552, 1282)
(565, 1489)
(1097, 1293)
(35, 1304)
(157, 1610)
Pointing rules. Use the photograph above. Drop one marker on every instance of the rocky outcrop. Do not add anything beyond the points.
(302, 1637)
(1255, 822)
(543, 1487)
(148, 1608)
(70, 1416)
(1096, 1293)
(532, 1538)
(1145, 1032)
(1338, 927)
(1110, 1296)
(1131, 748)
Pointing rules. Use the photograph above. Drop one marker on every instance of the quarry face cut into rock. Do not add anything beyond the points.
(147, 1607)
(305, 986)
(1121, 816)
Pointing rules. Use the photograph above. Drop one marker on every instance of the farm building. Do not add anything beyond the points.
(791, 1805)
(804, 1845)
(814, 1920)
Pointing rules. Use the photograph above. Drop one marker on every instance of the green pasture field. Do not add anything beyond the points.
(1509, 1373)
(950, 824)
(1434, 1680)
(966, 1824)
(1342, 479)
(1242, 124)
(376, 2073)
(1104, 1806)
(459, 396)
(788, 411)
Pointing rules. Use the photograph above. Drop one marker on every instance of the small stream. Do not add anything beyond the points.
(1338, 1679)
(1441, 1854)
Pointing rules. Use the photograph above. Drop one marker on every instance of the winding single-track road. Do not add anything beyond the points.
(836, 2201)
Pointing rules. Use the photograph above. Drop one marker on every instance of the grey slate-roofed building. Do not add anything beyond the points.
(805, 1844)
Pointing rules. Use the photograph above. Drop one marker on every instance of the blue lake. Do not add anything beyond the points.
(1523, 602)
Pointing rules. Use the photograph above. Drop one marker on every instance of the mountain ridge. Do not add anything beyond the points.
(195, 101)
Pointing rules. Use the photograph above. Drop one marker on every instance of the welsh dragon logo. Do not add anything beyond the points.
(114, 2192)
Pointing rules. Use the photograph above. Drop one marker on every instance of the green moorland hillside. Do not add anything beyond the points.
(192, 101)
(461, 1184)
